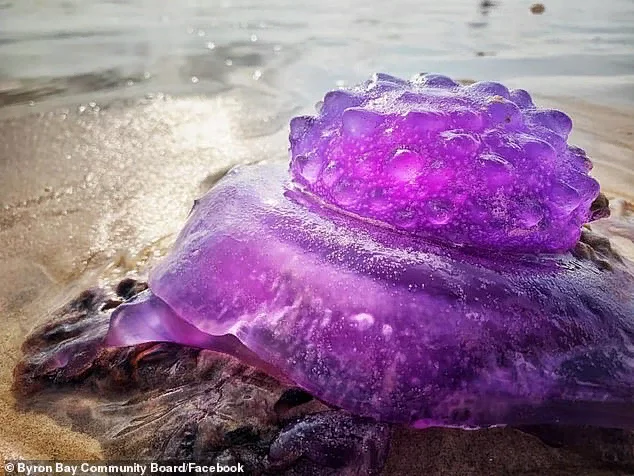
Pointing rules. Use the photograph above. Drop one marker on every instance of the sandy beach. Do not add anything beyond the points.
(57, 242)
(95, 180)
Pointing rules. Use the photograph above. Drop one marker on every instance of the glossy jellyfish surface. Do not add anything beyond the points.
(467, 321)
(475, 164)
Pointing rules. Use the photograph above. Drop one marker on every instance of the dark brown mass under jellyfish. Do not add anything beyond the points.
(422, 263)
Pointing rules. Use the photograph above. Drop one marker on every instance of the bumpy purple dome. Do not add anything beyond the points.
(474, 165)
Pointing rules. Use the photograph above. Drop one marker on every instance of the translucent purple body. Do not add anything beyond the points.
(392, 319)
(477, 165)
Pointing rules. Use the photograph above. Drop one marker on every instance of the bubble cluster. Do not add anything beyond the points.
(476, 165)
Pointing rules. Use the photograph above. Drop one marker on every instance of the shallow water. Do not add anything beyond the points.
(302, 48)
(116, 115)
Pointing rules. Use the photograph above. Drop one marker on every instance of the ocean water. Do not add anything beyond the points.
(580, 48)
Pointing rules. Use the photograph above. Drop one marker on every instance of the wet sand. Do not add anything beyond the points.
(83, 192)
(89, 195)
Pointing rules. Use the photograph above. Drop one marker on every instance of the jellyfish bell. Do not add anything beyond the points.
(418, 262)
